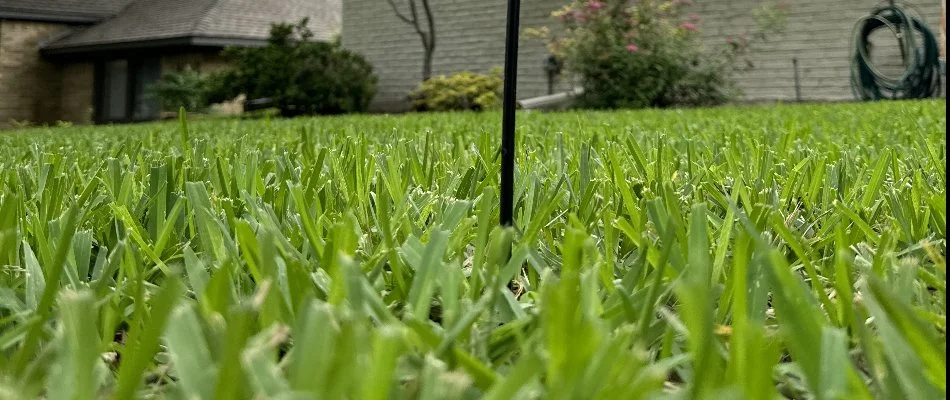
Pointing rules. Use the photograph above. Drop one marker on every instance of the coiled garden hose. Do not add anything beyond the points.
(921, 75)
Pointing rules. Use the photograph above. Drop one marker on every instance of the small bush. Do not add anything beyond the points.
(299, 75)
(186, 89)
(459, 92)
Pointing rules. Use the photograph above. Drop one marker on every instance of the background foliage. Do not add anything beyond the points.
(187, 88)
(299, 75)
(457, 92)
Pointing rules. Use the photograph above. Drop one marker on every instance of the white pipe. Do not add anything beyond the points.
(556, 100)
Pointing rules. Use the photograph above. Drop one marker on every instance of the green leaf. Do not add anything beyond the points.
(258, 359)
(78, 310)
(144, 338)
(190, 357)
(424, 282)
(35, 283)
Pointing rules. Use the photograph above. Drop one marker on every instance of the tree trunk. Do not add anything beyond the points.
(430, 44)
(426, 36)
(428, 57)
(427, 66)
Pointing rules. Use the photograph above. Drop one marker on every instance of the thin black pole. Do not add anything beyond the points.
(508, 114)
(798, 86)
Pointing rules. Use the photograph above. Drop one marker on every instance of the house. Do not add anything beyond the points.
(470, 35)
(93, 60)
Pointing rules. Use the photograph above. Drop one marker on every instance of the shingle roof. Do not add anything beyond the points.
(151, 20)
(63, 10)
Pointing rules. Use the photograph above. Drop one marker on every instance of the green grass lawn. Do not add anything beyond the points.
(731, 253)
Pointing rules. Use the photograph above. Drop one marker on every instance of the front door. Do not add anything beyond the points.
(123, 90)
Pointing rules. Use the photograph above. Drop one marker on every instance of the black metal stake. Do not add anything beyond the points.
(508, 114)
(798, 87)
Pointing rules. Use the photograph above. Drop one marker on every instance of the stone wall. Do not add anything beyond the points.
(29, 86)
(470, 36)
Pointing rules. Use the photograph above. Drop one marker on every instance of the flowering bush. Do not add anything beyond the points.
(647, 53)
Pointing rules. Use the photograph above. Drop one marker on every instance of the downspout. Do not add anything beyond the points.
(1, 39)
(943, 29)
(943, 37)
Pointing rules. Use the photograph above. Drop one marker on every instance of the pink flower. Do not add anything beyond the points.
(579, 16)
(595, 4)
(688, 26)
(632, 48)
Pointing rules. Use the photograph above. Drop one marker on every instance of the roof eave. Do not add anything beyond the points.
(191, 41)
(44, 17)
(221, 41)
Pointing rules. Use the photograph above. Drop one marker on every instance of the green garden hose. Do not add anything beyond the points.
(921, 76)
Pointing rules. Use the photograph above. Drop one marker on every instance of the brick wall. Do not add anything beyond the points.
(818, 33)
(470, 36)
(29, 86)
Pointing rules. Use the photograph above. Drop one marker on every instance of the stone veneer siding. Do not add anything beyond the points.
(29, 86)
(33, 90)
(470, 36)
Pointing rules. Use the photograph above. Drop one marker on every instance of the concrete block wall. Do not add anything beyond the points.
(29, 86)
(470, 36)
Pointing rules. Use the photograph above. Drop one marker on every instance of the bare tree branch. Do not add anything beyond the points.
(431, 20)
(399, 14)
(414, 21)
(415, 18)
(427, 37)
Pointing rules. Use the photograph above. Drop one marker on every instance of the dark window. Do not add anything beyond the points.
(115, 90)
(124, 90)
(146, 104)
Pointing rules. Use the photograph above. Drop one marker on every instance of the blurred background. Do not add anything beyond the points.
(75, 61)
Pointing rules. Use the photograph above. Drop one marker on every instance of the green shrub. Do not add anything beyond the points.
(186, 89)
(459, 92)
(647, 54)
(299, 75)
